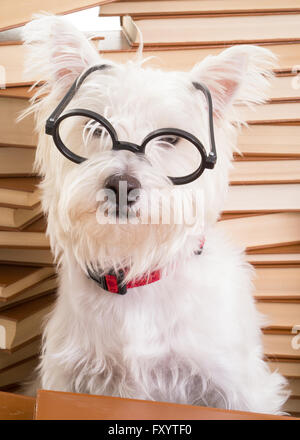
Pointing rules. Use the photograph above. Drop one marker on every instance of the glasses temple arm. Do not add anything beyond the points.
(69, 95)
(212, 157)
(60, 108)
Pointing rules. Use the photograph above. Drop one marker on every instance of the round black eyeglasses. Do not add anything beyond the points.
(55, 120)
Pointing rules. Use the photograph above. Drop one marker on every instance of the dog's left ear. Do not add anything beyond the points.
(56, 51)
(239, 74)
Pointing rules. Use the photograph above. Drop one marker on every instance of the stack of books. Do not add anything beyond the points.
(262, 211)
(27, 272)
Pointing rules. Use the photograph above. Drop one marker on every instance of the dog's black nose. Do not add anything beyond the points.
(123, 186)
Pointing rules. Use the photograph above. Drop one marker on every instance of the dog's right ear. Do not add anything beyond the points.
(56, 51)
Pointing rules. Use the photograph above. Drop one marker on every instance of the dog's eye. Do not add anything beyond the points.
(172, 140)
(95, 128)
(97, 132)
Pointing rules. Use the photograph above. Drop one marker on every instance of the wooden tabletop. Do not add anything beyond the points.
(54, 405)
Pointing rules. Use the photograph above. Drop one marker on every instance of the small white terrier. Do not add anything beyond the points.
(187, 331)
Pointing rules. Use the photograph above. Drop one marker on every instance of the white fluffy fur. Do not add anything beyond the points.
(194, 336)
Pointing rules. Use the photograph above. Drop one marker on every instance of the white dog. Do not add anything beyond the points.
(187, 331)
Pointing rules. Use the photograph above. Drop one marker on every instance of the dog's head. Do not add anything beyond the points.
(117, 207)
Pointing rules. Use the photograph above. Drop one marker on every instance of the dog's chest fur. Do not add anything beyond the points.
(157, 342)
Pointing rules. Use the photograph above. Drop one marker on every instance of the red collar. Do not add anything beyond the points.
(113, 282)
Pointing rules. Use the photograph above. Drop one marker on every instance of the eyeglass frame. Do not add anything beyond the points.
(56, 117)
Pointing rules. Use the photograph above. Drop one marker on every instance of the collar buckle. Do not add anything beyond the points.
(114, 282)
(111, 282)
